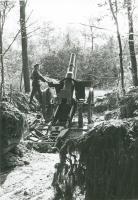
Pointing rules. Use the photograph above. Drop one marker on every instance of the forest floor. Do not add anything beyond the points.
(31, 181)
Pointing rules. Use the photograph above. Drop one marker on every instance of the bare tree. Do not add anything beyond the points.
(47, 39)
(1, 56)
(92, 38)
(25, 68)
(5, 8)
(92, 35)
(131, 43)
(114, 10)
(93, 27)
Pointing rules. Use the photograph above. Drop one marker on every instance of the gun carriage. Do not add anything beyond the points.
(73, 105)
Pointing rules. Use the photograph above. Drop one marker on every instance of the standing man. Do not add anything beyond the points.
(36, 78)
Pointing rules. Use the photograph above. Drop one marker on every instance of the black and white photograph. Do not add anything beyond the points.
(68, 99)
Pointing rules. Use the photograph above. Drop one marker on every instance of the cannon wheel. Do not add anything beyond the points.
(90, 102)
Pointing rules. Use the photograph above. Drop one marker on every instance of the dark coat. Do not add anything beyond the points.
(37, 77)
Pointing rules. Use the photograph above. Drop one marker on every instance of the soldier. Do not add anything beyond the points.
(36, 78)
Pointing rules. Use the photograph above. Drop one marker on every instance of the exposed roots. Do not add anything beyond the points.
(101, 164)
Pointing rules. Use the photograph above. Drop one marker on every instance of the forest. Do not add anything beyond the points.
(108, 55)
(68, 100)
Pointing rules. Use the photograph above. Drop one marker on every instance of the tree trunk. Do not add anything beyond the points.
(92, 39)
(131, 44)
(1, 59)
(0, 143)
(119, 42)
(121, 61)
(24, 47)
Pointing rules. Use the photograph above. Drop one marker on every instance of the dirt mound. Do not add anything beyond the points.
(128, 105)
(101, 164)
(21, 101)
(107, 102)
(12, 126)
(112, 105)
(17, 156)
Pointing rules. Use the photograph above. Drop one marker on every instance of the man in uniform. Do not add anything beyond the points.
(36, 78)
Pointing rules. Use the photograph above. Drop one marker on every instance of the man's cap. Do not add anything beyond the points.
(36, 65)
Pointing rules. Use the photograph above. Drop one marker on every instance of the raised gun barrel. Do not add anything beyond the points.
(72, 69)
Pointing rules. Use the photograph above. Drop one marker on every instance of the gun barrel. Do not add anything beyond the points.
(71, 72)
(72, 60)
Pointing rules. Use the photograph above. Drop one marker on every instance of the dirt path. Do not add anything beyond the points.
(32, 181)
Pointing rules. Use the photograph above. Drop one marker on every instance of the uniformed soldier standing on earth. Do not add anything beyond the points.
(36, 78)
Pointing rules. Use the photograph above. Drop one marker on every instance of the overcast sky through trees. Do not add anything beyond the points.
(66, 14)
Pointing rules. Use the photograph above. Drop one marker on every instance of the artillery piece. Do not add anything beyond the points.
(71, 101)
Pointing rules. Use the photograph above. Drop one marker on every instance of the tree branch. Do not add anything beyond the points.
(112, 10)
(15, 37)
(93, 26)
(11, 42)
(33, 31)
